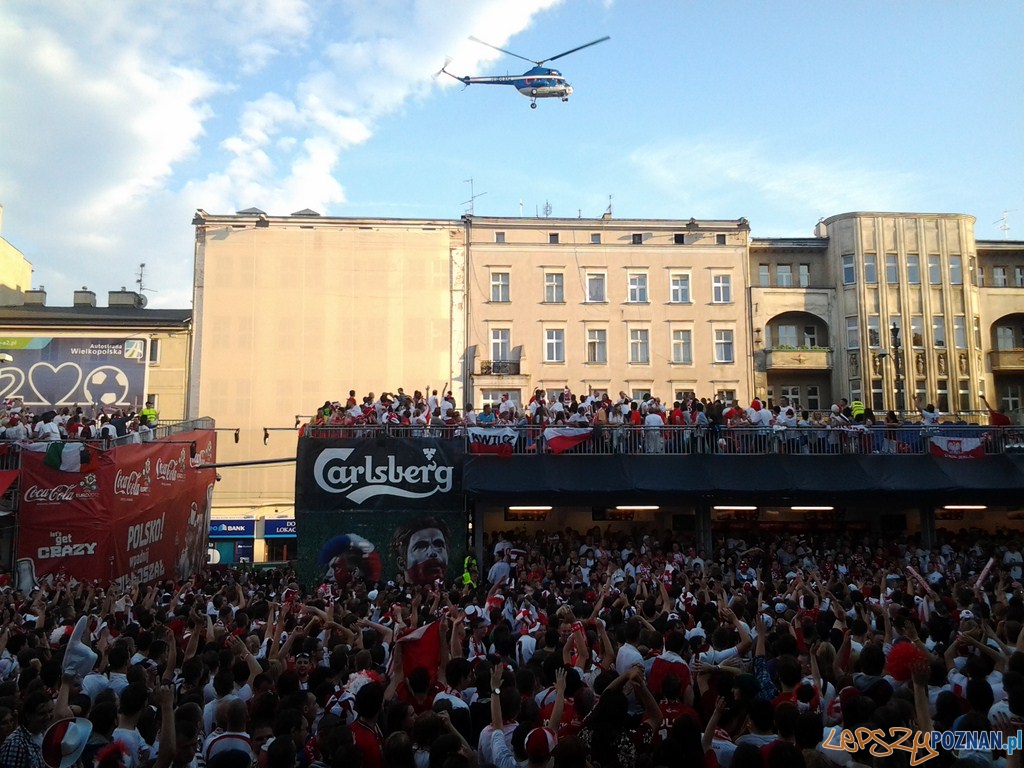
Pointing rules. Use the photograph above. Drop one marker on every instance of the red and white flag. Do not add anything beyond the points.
(957, 448)
(421, 648)
(499, 441)
(561, 439)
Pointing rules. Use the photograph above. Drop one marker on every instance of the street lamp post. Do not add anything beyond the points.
(897, 358)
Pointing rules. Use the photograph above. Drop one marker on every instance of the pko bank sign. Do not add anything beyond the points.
(360, 473)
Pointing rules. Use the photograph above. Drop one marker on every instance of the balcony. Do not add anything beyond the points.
(798, 359)
(499, 368)
(1006, 360)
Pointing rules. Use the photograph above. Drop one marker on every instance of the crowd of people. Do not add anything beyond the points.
(21, 423)
(649, 425)
(607, 648)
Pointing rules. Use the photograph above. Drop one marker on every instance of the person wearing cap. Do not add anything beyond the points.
(150, 413)
(64, 742)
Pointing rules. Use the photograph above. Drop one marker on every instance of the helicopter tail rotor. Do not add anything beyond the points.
(443, 69)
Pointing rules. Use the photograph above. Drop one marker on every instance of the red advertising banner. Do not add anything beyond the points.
(136, 512)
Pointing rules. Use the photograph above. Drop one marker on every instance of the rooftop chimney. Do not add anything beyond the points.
(124, 298)
(36, 298)
(85, 298)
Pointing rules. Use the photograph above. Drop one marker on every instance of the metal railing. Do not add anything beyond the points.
(904, 439)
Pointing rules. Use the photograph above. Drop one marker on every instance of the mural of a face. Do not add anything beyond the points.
(426, 556)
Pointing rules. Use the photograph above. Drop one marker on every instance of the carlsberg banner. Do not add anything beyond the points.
(384, 507)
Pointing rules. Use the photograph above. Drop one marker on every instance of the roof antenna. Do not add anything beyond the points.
(547, 209)
(472, 196)
(1004, 224)
(141, 280)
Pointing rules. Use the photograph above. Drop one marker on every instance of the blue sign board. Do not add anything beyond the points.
(232, 529)
(278, 529)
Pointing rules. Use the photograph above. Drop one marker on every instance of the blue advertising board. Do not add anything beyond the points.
(232, 529)
(278, 529)
(71, 370)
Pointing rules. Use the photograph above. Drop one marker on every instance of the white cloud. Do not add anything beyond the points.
(119, 124)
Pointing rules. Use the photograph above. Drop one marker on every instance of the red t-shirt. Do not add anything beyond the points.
(661, 669)
(370, 742)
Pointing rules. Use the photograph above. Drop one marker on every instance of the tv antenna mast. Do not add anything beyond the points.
(1004, 223)
(472, 196)
(141, 280)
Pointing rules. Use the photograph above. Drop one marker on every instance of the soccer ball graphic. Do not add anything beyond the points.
(107, 385)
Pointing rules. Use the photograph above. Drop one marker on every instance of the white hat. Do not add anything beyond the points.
(79, 659)
(64, 742)
(372, 595)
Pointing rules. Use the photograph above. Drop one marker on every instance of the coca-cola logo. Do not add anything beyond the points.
(59, 493)
(170, 471)
(134, 483)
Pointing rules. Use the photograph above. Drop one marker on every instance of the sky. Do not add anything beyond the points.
(120, 120)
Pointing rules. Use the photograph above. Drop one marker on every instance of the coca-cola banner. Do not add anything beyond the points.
(133, 513)
(383, 509)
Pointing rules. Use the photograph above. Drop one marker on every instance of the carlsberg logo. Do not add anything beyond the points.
(365, 480)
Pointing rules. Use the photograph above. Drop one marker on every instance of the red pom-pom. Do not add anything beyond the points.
(901, 660)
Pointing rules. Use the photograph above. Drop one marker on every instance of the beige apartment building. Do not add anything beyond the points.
(293, 311)
(607, 305)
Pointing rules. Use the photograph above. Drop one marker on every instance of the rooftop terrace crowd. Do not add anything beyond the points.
(604, 648)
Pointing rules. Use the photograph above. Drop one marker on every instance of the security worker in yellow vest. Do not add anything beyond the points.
(469, 572)
(150, 413)
(857, 407)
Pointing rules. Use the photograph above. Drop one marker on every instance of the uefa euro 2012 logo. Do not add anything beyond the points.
(88, 483)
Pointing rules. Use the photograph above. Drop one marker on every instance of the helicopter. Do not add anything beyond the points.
(537, 83)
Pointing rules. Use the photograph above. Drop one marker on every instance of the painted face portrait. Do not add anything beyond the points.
(426, 556)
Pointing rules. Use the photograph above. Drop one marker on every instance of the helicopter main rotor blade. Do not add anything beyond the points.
(478, 40)
(579, 48)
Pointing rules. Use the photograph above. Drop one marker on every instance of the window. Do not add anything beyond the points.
(870, 268)
(913, 269)
(934, 271)
(813, 398)
(805, 275)
(638, 288)
(595, 287)
(641, 394)
(719, 239)
(939, 331)
(943, 399)
(1018, 277)
(964, 395)
(639, 346)
(637, 238)
(499, 237)
(998, 277)
(920, 393)
(784, 275)
(810, 336)
(854, 389)
(977, 332)
(501, 343)
(155, 399)
(892, 270)
(876, 395)
(499, 287)
(764, 278)
(682, 347)
(553, 238)
(917, 331)
(792, 391)
(723, 346)
(554, 345)
(852, 333)
(956, 270)
(154, 351)
(679, 238)
(597, 345)
(849, 274)
(1005, 337)
(786, 336)
(595, 238)
(680, 291)
(874, 332)
(981, 277)
(960, 332)
(721, 289)
(554, 288)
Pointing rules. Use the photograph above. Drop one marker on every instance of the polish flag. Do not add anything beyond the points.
(957, 448)
(421, 648)
(561, 439)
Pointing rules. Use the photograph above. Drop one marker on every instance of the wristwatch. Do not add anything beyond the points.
(497, 691)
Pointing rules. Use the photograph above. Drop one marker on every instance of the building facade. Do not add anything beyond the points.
(295, 310)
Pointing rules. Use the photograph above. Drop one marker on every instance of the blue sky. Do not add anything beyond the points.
(116, 127)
